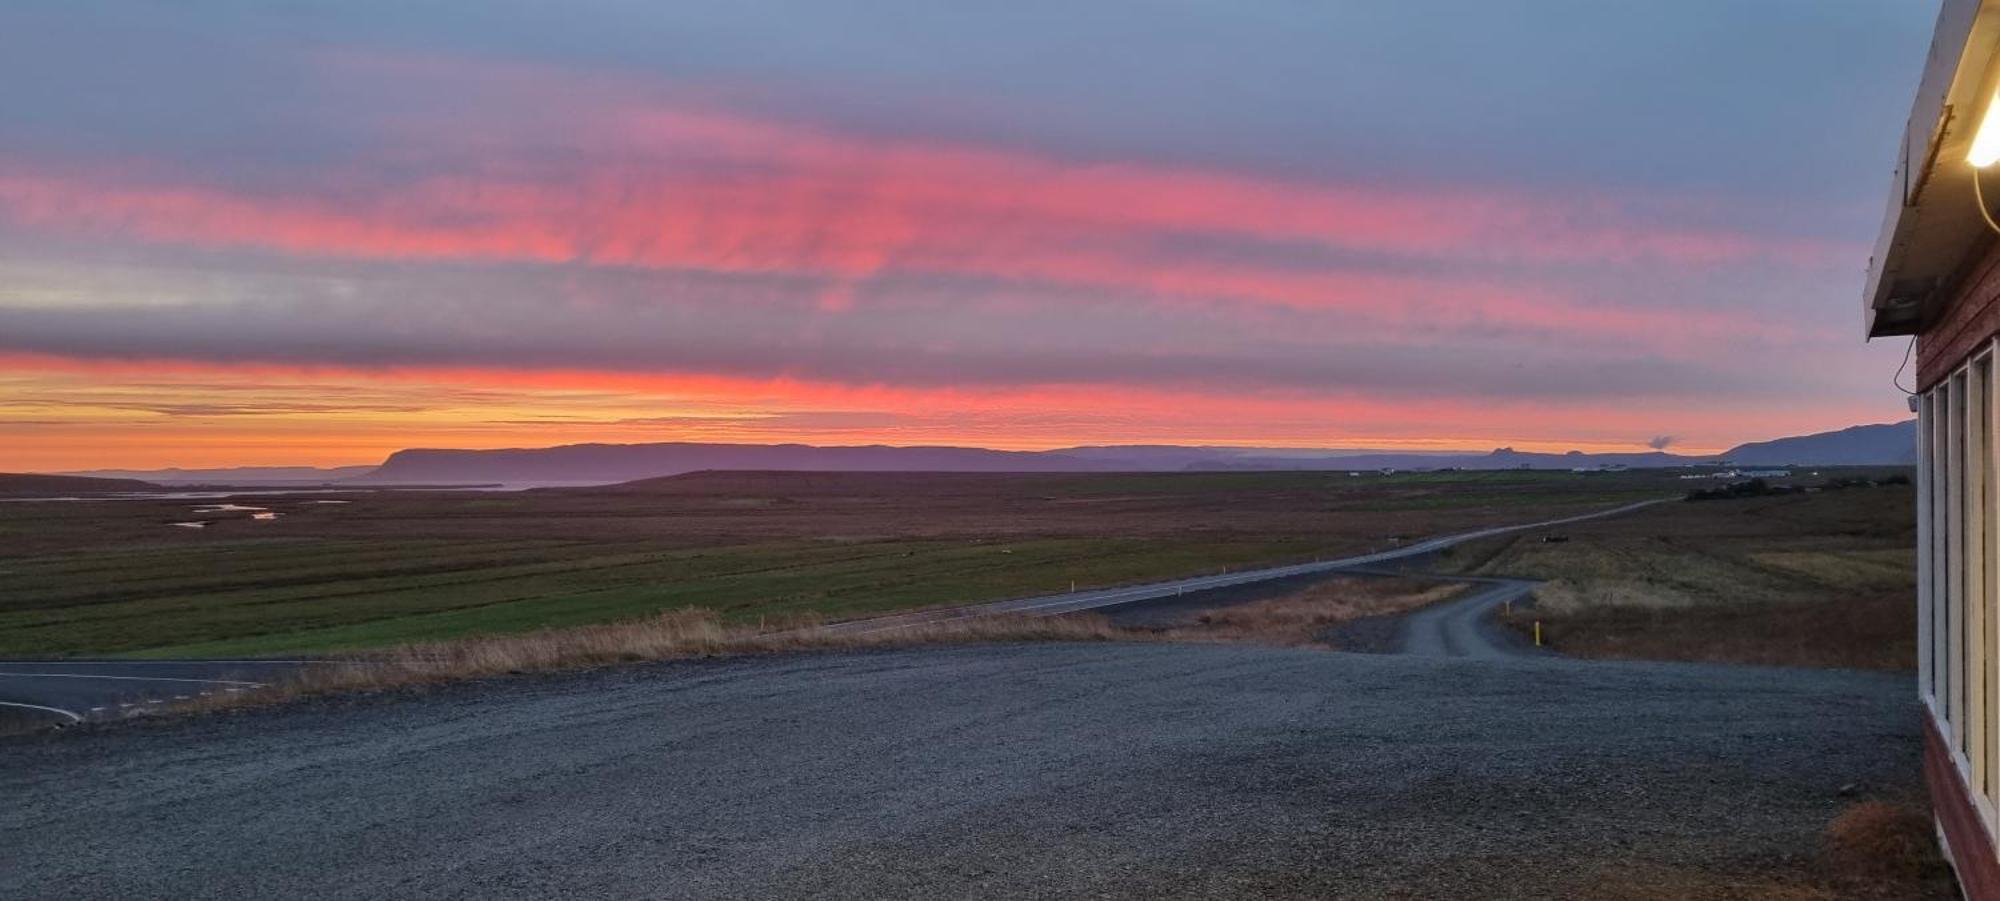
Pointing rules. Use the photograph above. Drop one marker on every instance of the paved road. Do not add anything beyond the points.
(36, 692)
(1465, 627)
(1044, 771)
(1462, 627)
(1077, 601)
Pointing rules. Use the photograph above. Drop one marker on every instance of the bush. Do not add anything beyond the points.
(1733, 490)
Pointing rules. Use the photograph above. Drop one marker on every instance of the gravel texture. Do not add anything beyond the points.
(1005, 771)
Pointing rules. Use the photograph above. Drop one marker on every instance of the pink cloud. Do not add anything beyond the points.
(843, 229)
(662, 183)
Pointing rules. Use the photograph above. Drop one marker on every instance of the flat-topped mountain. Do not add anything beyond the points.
(1887, 444)
(628, 462)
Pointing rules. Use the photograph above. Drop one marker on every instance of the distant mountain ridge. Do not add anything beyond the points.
(234, 475)
(1861, 445)
(27, 484)
(629, 462)
(1883, 444)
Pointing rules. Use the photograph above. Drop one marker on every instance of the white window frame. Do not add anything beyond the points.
(1926, 566)
(1958, 579)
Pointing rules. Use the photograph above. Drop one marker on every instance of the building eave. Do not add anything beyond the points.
(1932, 223)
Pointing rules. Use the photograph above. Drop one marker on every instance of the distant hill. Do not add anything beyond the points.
(629, 462)
(237, 475)
(1861, 445)
(1891, 444)
(18, 484)
(1501, 458)
(1170, 457)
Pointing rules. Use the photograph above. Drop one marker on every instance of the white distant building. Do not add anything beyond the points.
(1767, 473)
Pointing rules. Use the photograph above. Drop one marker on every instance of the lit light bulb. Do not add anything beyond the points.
(1986, 141)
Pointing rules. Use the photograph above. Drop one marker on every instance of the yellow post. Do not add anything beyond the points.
(1538, 633)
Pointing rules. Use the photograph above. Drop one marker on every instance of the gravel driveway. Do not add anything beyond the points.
(1085, 770)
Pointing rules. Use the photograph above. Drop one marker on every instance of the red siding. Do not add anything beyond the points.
(1971, 848)
(1972, 317)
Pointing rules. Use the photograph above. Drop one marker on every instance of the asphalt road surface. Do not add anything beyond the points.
(1465, 627)
(1078, 601)
(41, 692)
(1461, 627)
(1011, 771)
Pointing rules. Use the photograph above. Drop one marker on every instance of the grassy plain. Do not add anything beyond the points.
(1820, 579)
(383, 568)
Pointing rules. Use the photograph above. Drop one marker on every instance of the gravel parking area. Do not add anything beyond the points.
(1087, 770)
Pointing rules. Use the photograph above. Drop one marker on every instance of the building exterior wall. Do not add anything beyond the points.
(1967, 323)
(1958, 583)
(1959, 820)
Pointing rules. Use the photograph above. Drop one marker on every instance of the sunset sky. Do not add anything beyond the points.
(249, 232)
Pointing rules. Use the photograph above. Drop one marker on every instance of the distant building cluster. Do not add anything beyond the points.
(1741, 474)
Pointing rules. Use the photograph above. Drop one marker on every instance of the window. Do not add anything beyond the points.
(1976, 465)
(1958, 580)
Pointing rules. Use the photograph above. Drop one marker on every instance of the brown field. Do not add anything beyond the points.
(1822, 579)
(377, 569)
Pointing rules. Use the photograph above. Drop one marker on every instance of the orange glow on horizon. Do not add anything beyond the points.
(124, 414)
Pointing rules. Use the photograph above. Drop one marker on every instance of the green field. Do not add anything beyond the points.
(115, 577)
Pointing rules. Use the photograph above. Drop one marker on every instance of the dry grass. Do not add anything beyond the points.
(1819, 580)
(1881, 849)
(1873, 851)
(1294, 620)
(1874, 631)
(677, 635)
(1303, 618)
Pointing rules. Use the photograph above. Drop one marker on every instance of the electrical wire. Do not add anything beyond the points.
(1897, 379)
(1979, 194)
